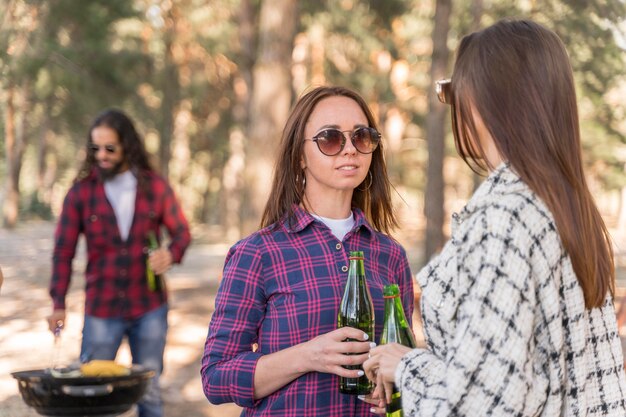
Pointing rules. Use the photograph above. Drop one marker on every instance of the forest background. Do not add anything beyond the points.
(210, 84)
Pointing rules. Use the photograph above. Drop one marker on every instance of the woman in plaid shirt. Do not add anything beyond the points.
(273, 346)
(517, 308)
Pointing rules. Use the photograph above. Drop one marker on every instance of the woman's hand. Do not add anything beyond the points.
(378, 404)
(381, 365)
(327, 352)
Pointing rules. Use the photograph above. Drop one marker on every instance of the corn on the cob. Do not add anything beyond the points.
(103, 368)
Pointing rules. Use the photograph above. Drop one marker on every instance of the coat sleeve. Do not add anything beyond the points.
(229, 360)
(488, 368)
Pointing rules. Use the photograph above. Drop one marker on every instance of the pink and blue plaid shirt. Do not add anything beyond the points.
(282, 286)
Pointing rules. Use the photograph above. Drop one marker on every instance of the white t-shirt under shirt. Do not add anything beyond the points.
(339, 227)
(121, 191)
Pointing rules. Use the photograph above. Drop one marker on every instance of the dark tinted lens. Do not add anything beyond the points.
(330, 141)
(108, 148)
(365, 139)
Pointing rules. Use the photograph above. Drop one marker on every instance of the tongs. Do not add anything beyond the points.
(55, 370)
(57, 344)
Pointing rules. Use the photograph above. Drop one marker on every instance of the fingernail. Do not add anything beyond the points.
(361, 373)
(372, 345)
(372, 410)
(365, 336)
(361, 397)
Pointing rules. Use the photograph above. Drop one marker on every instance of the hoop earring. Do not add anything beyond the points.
(369, 175)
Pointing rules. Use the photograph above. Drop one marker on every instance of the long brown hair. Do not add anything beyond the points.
(517, 75)
(373, 195)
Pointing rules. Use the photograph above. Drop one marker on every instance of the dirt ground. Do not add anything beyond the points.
(25, 342)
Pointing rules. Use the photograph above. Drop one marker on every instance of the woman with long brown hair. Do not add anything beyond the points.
(273, 345)
(517, 308)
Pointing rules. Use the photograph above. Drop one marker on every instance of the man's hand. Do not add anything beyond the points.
(56, 320)
(160, 260)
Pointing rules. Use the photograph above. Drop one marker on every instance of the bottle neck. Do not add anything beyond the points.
(357, 269)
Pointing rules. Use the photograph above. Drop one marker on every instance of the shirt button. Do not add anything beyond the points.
(123, 272)
(124, 252)
(338, 246)
(93, 217)
(121, 294)
(344, 268)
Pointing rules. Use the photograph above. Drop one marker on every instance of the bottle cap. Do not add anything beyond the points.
(356, 255)
(391, 290)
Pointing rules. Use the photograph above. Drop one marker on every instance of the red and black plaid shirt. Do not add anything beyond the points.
(115, 277)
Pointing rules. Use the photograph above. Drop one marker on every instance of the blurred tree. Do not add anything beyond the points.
(270, 101)
(19, 23)
(435, 122)
(61, 61)
(210, 84)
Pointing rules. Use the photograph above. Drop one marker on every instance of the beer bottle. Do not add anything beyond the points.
(356, 310)
(395, 330)
(154, 280)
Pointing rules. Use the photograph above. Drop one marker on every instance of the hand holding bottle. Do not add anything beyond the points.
(330, 353)
(327, 353)
(160, 260)
(381, 366)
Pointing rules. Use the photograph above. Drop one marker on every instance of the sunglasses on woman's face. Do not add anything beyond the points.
(108, 148)
(331, 142)
(444, 91)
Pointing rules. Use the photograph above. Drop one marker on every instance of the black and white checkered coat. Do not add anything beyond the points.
(505, 320)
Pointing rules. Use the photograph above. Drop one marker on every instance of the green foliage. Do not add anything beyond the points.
(77, 57)
(36, 209)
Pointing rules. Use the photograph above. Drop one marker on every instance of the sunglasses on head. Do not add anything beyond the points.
(443, 88)
(331, 142)
(109, 148)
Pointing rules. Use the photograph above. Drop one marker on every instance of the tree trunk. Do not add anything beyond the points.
(270, 102)
(435, 134)
(15, 143)
(171, 90)
(234, 169)
(45, 168)
(621, 215)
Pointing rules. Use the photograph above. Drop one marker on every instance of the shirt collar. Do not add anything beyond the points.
(302, 219)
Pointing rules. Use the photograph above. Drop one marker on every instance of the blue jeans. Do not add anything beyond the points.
(146, 338)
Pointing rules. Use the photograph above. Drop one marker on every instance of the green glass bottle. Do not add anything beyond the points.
(356, 310)
(154, 280)
(396, 329)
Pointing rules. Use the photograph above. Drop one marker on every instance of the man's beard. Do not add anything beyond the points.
(106, 174)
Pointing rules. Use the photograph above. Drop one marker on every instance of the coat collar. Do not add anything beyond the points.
(501, 181)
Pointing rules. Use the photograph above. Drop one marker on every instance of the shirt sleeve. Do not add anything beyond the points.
(66, 236)
(229, 362)
(488, 368)
(176, 224)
